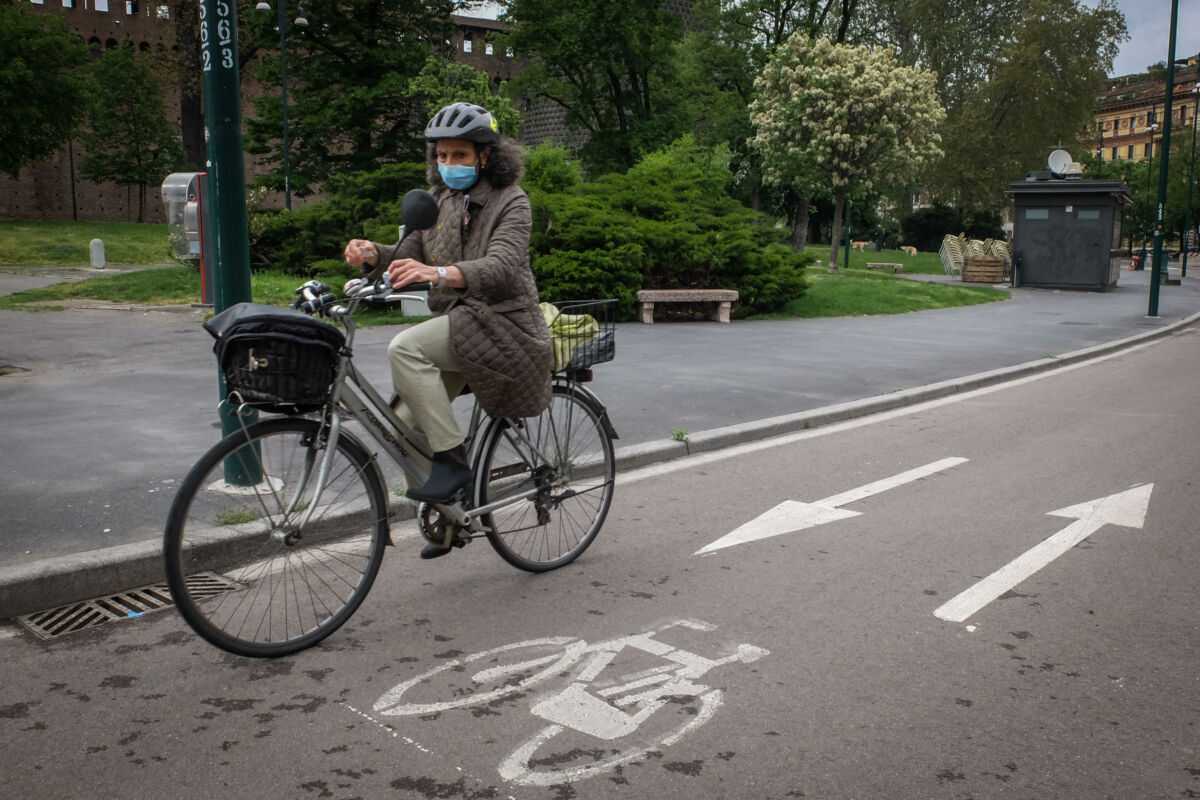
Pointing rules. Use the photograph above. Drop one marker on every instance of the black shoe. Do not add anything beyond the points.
(431, 551)
(451, 473)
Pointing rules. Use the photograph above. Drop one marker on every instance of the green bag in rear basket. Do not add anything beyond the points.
(274, 358)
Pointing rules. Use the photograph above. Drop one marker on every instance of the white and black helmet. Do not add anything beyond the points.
(463, 121)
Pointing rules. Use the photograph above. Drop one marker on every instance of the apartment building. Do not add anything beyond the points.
(1130, 115)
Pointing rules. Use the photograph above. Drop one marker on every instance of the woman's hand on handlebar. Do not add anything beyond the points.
(405, 271)
(361, 251)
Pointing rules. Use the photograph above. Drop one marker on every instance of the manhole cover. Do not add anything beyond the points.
(123, 605)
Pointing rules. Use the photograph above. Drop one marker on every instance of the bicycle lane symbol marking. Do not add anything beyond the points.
(605, 709)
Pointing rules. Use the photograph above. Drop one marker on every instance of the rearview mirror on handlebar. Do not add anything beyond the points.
(419, 209)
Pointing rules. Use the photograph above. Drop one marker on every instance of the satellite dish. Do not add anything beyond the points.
(1060, 161)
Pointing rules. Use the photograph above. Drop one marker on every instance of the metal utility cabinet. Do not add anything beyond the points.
(1067, 233)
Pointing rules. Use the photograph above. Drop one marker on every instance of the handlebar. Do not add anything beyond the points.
(315, 297)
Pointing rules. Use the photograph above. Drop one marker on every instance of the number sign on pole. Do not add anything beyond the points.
(223, 120)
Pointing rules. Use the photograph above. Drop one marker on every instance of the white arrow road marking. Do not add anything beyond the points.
(792, 515)
(1127, 509)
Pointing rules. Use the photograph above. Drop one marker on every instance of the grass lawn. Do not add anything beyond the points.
(862, 292)
(921, 263)
(67, 244)
(174, 286)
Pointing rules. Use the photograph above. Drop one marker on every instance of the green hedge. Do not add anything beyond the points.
(361, 205)
(667, 223)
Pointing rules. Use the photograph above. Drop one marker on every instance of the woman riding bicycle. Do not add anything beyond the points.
(487, 330)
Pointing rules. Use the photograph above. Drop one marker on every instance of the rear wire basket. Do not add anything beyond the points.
(583, 334)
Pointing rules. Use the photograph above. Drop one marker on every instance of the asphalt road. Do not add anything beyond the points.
(831, 659)
(108, 409)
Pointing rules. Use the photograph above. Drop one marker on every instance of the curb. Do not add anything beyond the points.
(54, 582)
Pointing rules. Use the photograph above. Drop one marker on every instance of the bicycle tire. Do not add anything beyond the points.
(566, 454)
(269, 589)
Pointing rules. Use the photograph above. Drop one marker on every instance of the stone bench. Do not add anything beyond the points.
(883, 265)
(723, 298)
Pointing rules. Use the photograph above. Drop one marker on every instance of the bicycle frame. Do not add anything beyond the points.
(355, 396)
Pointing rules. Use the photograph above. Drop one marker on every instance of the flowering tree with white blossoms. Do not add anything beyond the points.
(830, 119)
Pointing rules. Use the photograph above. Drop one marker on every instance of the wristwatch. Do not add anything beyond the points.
(441, 281)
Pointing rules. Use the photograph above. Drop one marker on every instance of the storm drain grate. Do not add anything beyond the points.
(123, 605)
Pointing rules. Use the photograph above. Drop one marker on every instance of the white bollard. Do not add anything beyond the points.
(97, 248)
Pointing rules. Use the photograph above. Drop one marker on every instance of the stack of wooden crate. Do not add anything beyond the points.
(983, 269)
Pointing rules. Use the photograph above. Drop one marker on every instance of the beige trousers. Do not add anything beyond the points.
(427, 377)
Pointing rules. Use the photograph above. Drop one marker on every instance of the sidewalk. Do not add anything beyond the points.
(106, 410)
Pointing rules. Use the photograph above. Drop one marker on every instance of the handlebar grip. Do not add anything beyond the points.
(417, 286)
(318, 304)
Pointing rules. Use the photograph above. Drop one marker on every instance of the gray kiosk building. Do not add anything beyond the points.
(1067, 232)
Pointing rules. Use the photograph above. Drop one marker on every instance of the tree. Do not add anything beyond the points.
(833, 119)
(351, 107)
(606, 64)
(182, 72)
(1040, 92)
(129, 139)
(959, 40)
(550, 169)
(443, 82)
(727, 48)
(1016, 77)
(42, 90)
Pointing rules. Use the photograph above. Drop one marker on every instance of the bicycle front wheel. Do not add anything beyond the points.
(248, 567)
(558, 470)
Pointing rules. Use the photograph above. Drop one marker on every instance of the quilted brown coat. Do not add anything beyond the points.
(496, 328)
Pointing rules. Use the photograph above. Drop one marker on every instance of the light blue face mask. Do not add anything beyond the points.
(457, 176)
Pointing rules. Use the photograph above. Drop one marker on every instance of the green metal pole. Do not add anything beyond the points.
(223, 118)
(227, 181)
(1160, 267)
(287, 160)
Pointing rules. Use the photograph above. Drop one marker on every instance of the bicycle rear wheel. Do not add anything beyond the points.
(562, 461)
(242, 571)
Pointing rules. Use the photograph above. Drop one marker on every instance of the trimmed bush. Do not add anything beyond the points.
(668, 223)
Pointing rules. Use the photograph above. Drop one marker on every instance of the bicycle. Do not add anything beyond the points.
(278, 531)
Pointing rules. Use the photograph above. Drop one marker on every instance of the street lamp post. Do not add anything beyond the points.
(1189, 237)
(301, 22)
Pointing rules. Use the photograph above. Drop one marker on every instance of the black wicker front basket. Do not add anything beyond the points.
(583, 333)
(275, 359)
